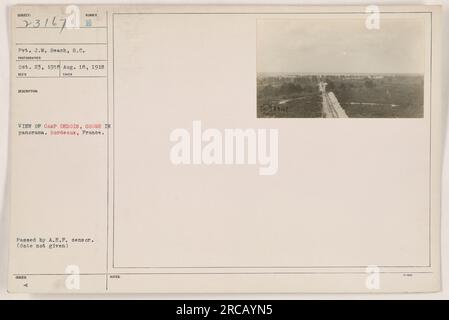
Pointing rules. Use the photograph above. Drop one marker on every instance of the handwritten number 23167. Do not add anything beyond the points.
(46, 23)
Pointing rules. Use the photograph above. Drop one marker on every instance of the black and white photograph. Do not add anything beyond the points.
(335, 68)
(184, 152)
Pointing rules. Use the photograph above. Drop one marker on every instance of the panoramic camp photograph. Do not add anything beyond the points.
(317, 68)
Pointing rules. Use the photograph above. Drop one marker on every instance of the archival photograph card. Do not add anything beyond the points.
(244, 149)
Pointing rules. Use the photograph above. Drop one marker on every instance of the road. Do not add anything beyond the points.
(331, 106)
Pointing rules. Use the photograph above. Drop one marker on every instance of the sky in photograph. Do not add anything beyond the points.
(340, 46)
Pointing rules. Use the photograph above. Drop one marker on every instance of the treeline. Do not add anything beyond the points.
(285, 89)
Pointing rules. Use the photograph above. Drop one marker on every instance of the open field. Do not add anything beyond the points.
(392, 96)
(288, 97)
